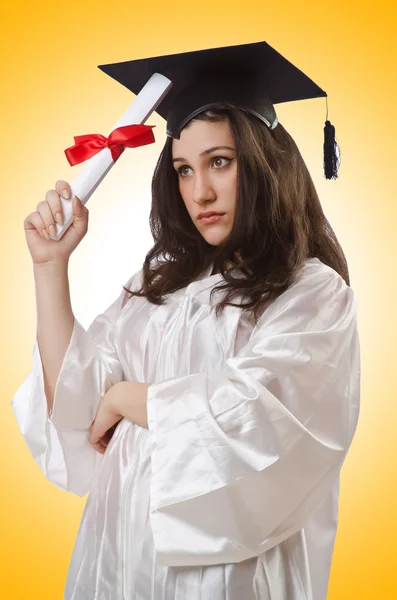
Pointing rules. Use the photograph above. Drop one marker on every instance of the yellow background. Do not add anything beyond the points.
(52, 90)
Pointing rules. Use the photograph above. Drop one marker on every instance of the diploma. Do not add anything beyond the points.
(98, 166)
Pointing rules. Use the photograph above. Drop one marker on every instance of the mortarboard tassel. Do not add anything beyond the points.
(331, 150)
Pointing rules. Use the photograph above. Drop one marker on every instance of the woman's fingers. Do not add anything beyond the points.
(63, 189)
(50, 209)
(102, 443)
(50, 213)
(45, 211)
(34, 221)
(99, 447)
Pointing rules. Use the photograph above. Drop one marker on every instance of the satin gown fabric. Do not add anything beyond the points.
(232, 492)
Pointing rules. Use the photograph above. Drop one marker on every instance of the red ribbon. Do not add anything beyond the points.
(129, 136)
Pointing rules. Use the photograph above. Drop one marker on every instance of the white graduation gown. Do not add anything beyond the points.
(232, 492)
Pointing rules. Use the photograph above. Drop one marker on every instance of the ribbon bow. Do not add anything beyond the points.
(129, 136)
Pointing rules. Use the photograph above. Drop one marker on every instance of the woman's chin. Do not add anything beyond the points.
(213, 242)
(214, 238)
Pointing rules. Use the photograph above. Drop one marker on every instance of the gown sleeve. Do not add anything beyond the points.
(242, 455)
(59, 442)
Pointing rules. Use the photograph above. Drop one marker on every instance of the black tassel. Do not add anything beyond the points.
(331, 152)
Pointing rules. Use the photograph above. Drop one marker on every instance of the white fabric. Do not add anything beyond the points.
(232, 493)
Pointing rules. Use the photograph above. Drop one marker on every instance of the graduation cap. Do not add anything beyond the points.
(253, 77)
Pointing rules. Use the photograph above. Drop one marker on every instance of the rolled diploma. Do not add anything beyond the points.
(98, 166)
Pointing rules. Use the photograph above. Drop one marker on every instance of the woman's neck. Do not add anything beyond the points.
(229, 264)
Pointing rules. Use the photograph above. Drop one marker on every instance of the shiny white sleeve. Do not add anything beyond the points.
(59, 442)
(243, 455)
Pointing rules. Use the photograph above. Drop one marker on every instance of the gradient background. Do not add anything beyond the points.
(52, 90)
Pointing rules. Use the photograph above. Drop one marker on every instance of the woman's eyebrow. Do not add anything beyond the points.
(206, 152)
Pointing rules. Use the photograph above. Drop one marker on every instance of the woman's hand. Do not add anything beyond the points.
(106, 420)
(126, 399)
(39, 225)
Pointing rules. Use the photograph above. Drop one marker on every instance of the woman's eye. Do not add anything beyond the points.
(217, 161)
(182, 170)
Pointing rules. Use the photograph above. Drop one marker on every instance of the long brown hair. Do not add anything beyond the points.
(279, 222)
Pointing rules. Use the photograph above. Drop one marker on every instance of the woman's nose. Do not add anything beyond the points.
(202, 189)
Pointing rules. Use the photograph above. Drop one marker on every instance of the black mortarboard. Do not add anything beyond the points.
(253, 77)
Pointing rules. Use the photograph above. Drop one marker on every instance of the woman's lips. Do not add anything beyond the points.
(211, 219)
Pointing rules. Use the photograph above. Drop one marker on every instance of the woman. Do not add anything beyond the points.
(208, 413)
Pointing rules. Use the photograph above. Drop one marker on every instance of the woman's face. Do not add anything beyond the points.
(205, 160)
